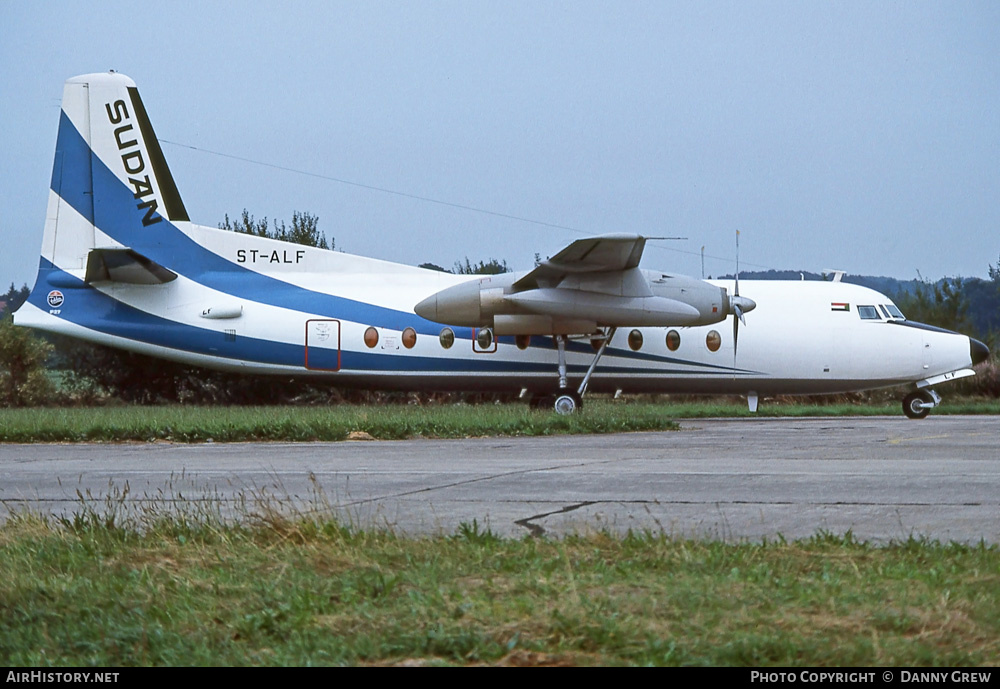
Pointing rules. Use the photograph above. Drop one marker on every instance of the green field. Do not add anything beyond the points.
(180, 423)
(96, 590)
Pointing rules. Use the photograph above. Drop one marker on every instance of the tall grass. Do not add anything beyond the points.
(110, 587)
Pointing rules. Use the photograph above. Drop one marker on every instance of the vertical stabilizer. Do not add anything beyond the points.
(109, 176)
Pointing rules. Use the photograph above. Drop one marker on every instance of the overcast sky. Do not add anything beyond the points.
(862, 136)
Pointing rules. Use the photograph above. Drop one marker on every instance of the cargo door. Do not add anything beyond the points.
(322, 351)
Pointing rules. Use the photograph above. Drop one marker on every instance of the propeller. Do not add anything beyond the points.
(739, 305)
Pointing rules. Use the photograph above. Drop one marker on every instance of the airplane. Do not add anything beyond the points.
(122, 265)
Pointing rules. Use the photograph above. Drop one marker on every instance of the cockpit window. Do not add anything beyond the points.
(868, 313)
(895, 312)
(884, 312)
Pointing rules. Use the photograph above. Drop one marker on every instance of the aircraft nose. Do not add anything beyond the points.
(979, 351)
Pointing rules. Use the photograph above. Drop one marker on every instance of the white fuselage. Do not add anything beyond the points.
(804, 337)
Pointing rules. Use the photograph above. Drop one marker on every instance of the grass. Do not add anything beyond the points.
(230, 424)
(103, 588)
(181, 423)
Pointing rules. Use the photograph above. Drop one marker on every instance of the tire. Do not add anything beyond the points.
(913, 405)
(565, 404)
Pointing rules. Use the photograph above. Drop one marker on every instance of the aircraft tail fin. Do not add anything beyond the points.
(109, 176)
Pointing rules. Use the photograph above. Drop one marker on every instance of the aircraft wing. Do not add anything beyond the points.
(604, 254)
(591, 283)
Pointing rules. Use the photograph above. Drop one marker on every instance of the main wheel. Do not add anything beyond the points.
(913, 404)
(568, 402)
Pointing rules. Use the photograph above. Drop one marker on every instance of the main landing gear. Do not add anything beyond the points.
(563, 402)
(917, 405)
(567, 401)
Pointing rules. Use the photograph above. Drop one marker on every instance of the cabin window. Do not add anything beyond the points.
(371, 337)
(673, 340)
(409, 338)
(522, 341)
(447, 338)
(713, 341)
(868, 313)
(484, 338)
(635, 340)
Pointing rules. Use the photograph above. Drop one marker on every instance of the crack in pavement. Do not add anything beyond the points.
(535, 530)
(480, 479)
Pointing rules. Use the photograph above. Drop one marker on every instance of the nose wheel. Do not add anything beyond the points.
(917, 405)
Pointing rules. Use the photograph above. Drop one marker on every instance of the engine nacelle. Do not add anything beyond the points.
(472, 304)
(579, 304)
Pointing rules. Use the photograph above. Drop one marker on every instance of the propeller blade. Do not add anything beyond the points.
(738, 305)
(736, 334)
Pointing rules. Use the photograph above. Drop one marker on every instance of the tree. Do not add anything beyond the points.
(944, 304)
(433, 266)
(13, 299)
(246, 225)
(491, 267)
(23, 381)
(304, 229)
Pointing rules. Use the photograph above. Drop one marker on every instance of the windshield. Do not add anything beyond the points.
(895, 312)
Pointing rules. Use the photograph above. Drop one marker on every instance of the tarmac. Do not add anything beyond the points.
(883, 479)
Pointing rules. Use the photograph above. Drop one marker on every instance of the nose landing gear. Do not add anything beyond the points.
(917, 405)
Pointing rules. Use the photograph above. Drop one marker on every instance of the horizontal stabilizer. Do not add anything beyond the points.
(126, 266)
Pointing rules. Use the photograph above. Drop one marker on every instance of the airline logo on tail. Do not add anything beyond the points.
(133, 162)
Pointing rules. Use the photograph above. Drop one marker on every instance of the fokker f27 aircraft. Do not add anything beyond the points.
(122, 265)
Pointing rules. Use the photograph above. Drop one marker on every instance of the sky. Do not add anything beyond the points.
(860, 136)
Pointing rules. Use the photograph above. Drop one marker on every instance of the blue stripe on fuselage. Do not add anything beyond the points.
(92, 309)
